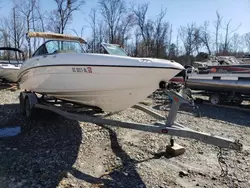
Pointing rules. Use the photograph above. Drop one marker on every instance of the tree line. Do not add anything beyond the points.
(126, 24)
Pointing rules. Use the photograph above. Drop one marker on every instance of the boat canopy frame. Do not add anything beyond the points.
(55, 36)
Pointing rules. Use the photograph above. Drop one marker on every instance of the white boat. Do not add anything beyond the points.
(9, 69)
(112, 82)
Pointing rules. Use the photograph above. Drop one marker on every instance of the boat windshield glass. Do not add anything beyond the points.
(55, 46)
(114, 49)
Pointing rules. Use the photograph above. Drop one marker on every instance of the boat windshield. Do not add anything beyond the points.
(58, 46)
(114, 49)
(64, 46)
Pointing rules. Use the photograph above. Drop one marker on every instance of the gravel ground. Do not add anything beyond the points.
(56, 152)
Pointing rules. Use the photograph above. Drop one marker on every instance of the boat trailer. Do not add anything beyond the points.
(29, 102)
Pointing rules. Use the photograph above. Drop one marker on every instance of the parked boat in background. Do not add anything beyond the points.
(234, 69)
(229, 83)
(11, 60)
(217, 82)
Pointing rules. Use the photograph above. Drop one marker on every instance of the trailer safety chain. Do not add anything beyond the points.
(160, 97)
(221, 160)
(165, 99)
(232, 178)
(188, 95)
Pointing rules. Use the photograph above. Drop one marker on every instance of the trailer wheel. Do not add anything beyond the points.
(214, 98)
(28, 109)
(21, 103)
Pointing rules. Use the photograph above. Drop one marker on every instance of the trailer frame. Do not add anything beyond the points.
(29, 103)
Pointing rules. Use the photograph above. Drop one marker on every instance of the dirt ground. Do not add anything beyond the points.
(57, 152)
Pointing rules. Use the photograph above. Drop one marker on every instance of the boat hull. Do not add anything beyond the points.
(111, 88)
(9, 72)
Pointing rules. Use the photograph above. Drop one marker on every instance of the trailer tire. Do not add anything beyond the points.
(28, 109)
(215, 98)
(21, 104)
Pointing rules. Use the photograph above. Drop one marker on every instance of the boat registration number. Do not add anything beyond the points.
(81, 69)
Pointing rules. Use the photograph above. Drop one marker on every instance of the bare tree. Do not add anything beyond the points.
(154, 33)
(177, 42)
(172, 51)
(228, 32)
(226, 42)
(93, 22)
(170, 38)
(13, 29)
(161, 34)
(5, 35)
(102, 31)
(140, 12)
(235, 45)
(217, 25)
(123, 34)
(38, 23)
(30, 11)
(81, 32)
(247, 41)
(137, 42)
(25, 8)
(40, 16)
(187, 35)
(205, 36)
(197, 39)
(113, 11)
(63, 14)
(19, 31)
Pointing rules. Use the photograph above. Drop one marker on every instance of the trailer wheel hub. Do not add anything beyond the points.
(214, 98)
